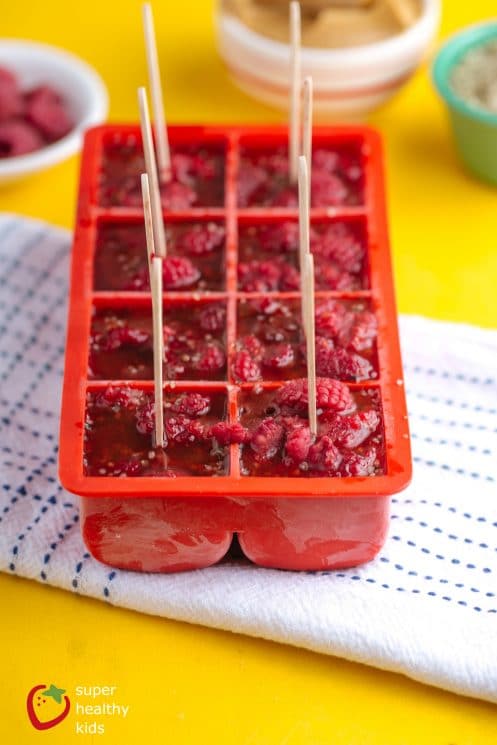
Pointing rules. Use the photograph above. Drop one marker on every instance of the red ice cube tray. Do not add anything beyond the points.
(161, 524)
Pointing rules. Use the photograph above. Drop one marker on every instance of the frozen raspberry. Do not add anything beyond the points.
(331, 318)
(252, 345)
(267, 438)
(357, 464)
(18, 138)
(124, 336)
(124, 398)
(351, 431)
(361, 334)
(252, 178)
(276, 161)
(331, 395)
(325, 160)
(192, 404)
(331, 277)
(178, 272)
(139, 281)
(324, 455)
(46, 110)
(201, 239)
(11, 102)
(280, 238)
(298, 442)
(181, 429)
(258, 276)
(335, 362)
(338, 243)
(327, 189)
(177, 196)
(210, 359)
(145, 418)
(226, 433)
(245, 369)
(286, 198)
(213, 318)
(290, 278)
(280, 356)
(266, 305)
(131, 467)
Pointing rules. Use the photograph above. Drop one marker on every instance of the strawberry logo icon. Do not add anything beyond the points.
(47, 707)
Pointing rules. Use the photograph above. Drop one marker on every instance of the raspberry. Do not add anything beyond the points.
(181, 429)
(192, 404)
(18, 138)
(298, 442)
(276, 162)
(258, 276)
(11, 103)
(357, 464)
(139, 281)
(267, 438)
(251, 179)
(210, 359)
(327, 189)
(124, 336)
(186, 167)
(286, 198)
(266, 305)
(244, 368)
(337, 243)
(280, 356)
(325, 160)
(324, 456)
(226, 433)
(145, 418)
(177, 196)
(201, 239)
(212, 318)
(290, 278)
(362, 332)
(331, 277)
(178, 272)
(351, 431)
(281, 237)
(331, 318)
(252, 345)
(331, 395)
(125, 398)
(45, 109)
(335, 362)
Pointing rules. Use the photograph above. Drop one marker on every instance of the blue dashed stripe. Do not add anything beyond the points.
(446, 375)
(78, 570)
(459, 471)
(55, 544)
(451, 402)
(110, 577)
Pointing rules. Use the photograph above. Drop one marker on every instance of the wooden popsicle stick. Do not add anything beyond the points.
(307, 128)
(311, 342)
(149, 228)
(154, 79)
(304, 237)
(151, 168)
(158, 342)
(295, 86)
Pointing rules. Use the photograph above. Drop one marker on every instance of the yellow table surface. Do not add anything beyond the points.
(187, 684)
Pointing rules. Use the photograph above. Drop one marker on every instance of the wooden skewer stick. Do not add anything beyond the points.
(311, 342)
(307, 130)
(295, 86)
(155, 269)
(304, 237)
(151, 167)
(161, 138)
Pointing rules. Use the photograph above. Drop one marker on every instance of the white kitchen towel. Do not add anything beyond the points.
(426, 607)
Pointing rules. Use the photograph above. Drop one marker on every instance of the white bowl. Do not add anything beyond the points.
(348, 81)
(79, 84)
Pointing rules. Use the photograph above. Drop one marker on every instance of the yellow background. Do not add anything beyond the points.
(188, 684)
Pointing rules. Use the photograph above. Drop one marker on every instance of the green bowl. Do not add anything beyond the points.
(475, 130)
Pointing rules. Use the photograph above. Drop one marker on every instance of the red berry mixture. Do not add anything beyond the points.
(268, 257)
(195, 257)
(349, 441)
(197, 176)
(29, 119)
(271, 333)
(336, 178)
(118, 434)
(121, 343)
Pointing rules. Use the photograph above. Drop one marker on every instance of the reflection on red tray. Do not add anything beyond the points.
(233, 292)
